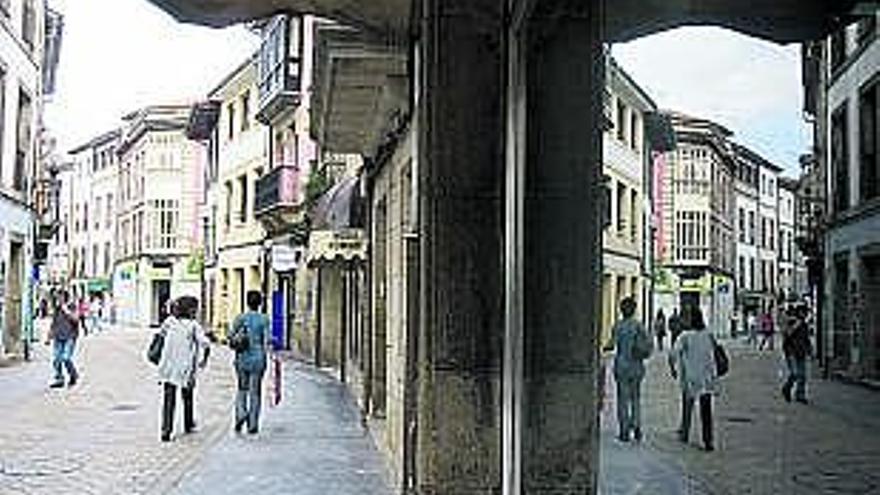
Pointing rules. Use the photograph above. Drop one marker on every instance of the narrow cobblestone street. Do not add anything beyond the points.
(764, 445)
(102, 437)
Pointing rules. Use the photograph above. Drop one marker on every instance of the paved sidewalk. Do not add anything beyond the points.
(101, 436)
(312, 443)
(764, 445)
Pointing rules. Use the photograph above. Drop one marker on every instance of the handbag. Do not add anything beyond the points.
(239, 340)
(722, 362)
(154, 352)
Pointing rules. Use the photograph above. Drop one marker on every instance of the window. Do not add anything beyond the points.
(98, 202)
(840, 158)
(227, 218)
(164, 220)
(869, 159)
(109, 211)
(621, 121)
(742, 225)
(106, 257)
(752, 284)
(28, 23)
(243, 198)
(838, 48)
(763, 232)
(634, 216)
(752, 228)
(96, 255)
(621, 205)
(771, 238)
(230, 126)
(23, 142)
(634, 130)
(742, 272)
(85, 218)
(245, 110)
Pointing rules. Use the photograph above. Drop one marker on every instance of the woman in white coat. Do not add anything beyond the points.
(185, 342)
(692, 362)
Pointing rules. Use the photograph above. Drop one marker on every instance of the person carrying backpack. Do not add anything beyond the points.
(249, 339)
(632, 346)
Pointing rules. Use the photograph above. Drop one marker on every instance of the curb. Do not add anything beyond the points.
(850, 380)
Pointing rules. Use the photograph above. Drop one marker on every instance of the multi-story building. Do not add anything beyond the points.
(92, 187)
(158, 254)
(285, 79)
(852, 243)
(789, 258)
(239, 157)
(626, 160)
(758, 227)
(697, 266)
(21, 89)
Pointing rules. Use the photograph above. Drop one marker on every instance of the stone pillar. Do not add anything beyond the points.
(460, 132)
(562, 248)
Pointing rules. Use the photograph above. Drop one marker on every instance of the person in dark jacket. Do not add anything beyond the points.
(797, 347)
(63, 333)
(674, 326)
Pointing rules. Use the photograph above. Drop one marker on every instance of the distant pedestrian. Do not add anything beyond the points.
(692, 363)
(674, 326)
(660, 329)
(768, 331)
(63, 333)
(94, 314)
(82, 313)
(752, 329)
(632, 345)
(184, 351)
(250, 339)
(797, 348)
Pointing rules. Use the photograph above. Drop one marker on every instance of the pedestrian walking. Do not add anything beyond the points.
(796, 347)
(768, 331)
(63, 333)
(82, 312)
(94, 315)
(632, 345)
(674, 326)
(692, 363)
(185, 349)
(250, 339)
(752, 329)
(660, 329)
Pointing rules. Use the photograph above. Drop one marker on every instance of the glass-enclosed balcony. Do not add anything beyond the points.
(278, 191)
(280, 67)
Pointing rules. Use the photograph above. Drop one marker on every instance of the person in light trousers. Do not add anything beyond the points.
(250, 363)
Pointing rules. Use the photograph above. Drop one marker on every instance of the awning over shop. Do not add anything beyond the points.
(336, 246)
(341, 207)
(98, 285)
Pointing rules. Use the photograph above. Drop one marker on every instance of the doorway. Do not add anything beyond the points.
(12, 335)
(161, 290)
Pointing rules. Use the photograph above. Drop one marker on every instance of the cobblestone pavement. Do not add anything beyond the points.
(313, 443)
(763, 444)
(101, 436)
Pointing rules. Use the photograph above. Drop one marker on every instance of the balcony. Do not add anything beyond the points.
(280, 65)
(278, 199)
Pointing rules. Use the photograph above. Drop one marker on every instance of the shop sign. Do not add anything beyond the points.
(285, 258)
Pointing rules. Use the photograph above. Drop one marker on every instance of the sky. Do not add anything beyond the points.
(118, 55)
(750, 86)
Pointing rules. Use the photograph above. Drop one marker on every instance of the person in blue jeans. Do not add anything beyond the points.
(629, 369)
(63, 333)
(250, 363)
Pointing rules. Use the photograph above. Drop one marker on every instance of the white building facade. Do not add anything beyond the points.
(21, 61)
